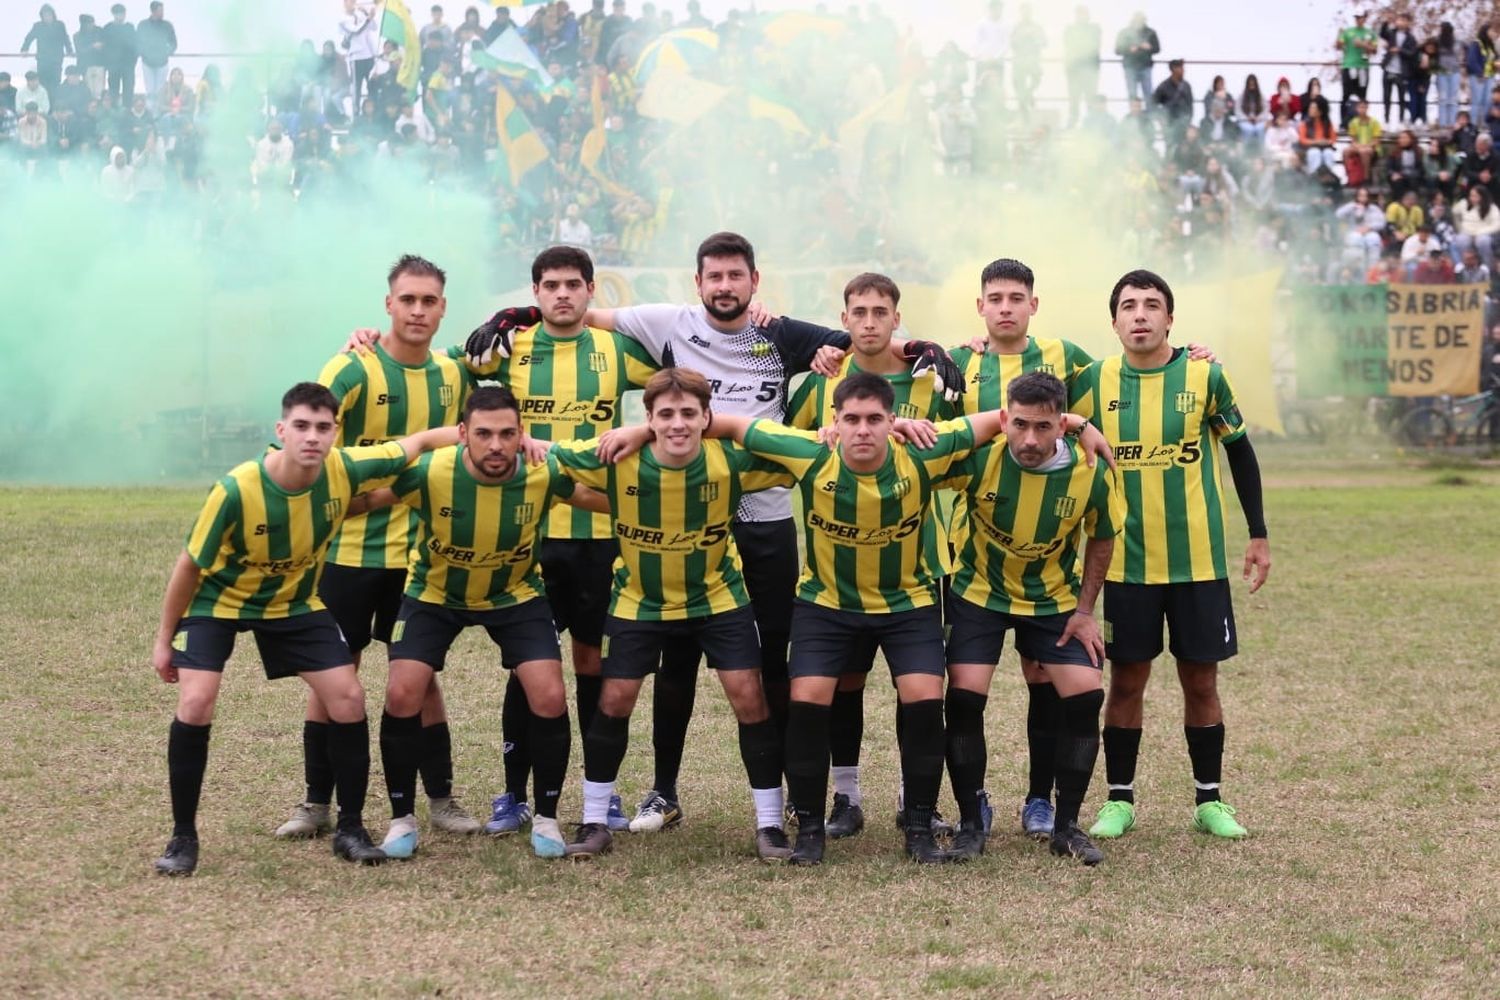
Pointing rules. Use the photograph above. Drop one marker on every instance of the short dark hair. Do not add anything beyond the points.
(726, 245)
(491, 397)
(1139, 278)
(562, 258)
(1007, 269)
(420, 267)
(1174, 63)
(1038, 388)
(872, 282)
(683, 380)
(312, 394)
(865, 385)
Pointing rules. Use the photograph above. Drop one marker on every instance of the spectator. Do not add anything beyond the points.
(1440, 168)
(1355, 45)
(1137, 45)
(1081, 62)
(1439, 220)
(1173, 100)
(1363, 224)
(1026, 45)
(1464, 133)
(614, 28)
(116, 183)
(1314, 95)
(1419, 81)
(1218, 92)
(1397, 64)
(31, 133)
(88, 42)
(156, 40)
(1364, 145)
(1417, 246)
(1477, 220)
(1405, 216)
(1446, 72)
(436, 33)
(1434, 268)
(694, 19)
(1316, 137)
(120, 56)
(72, 96)
(206, 94)
(1403, 168)
(52, 44)
(500, 25)
(360, 41)
(1482, 167)
(148, 168)
(1285, 100)
(1255, 114)
(1387, 271)
(34, 93)
(1491, 122)
(1259, 184)
(272, 165)
(1281, 140)
(135, 123)
(176, 100)
(1220, 135)
(8, 94)
(1471, 270)
(1479, 64)
(572, 230)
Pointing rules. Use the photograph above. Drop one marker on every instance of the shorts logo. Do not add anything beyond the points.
(1187, 402)
(179, 641)
(397, 630)
(524, 513)
(901, 488)
(445, 395)
(598, 361)
(708, 493)
(760, 349)
(906, 411)
(332, 509)
(1107, 627)
(1065, 507)
(604, 646)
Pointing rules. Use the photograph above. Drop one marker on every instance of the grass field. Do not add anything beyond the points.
(1362, 749)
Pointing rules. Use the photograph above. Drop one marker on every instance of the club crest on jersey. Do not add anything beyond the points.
(760, 349)
(708, 493)
(524, 513)
(445, 395)
(906, 411)
(598, 361)
(901, 487)
(332, 509)
(1187, 402)
(1046, 367)
(1065, 507)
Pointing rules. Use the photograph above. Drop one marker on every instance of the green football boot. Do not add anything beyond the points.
(1116, 818)
(1217, 818)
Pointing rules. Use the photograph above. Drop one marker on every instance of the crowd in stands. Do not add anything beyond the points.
(1346, 193)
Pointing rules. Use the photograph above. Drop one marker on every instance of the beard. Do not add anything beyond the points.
(725, 315)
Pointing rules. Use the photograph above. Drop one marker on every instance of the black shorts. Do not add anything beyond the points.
(579, 574)
(822, 639)
(977, 634)
(1199, 616)
(364, 601)
(288, 646)
(729, 639)
(768, 558)
(524, 632)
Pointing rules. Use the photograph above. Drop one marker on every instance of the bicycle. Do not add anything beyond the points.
(1454, 422)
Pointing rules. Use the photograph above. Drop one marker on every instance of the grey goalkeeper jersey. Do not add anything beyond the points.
(748, 369)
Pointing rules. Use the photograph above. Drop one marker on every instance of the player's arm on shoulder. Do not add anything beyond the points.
(585, 498)
(802, 344)
(734, 426)
(377, 499)
(577, 461)
(622, 442)
(414, 445)
(648, 325)
(182, 584)
(757, 473)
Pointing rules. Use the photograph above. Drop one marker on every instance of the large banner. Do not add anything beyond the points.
(1387, 340)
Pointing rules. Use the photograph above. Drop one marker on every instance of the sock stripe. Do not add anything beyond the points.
(1122, 788)
(1201, 785)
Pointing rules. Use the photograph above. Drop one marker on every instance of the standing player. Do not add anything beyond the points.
(679, 580)
(398, 387)
(475, 563)
(1030, 495)
(251, 564)
(864, 501)
(1165, 414)
(871, 316)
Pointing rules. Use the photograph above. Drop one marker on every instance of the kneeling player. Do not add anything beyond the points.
(251, 564)
(1029, 495)
(481, 512)
(678, 580)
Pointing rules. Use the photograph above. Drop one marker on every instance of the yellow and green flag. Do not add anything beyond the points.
(396, 25)
(522, 145)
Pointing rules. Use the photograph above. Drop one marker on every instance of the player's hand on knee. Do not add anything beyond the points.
(922, 433)
(827, 361)
(1085, 628)
(492, 339)
(361, 340)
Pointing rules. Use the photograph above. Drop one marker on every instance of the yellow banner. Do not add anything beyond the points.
(1435, 335)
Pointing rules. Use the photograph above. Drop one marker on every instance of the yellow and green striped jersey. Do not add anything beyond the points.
(570, 389)
(1021, 555)
(986, 375)
(260, 549)
(677, 556)
(812, 407)
(381, 399)
(863, 529)
(1164, 424)
(477, 547)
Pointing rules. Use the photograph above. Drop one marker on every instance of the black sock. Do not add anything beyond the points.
(315, 766)
(349, 751)
(515, 736)
(1206, 750)
(922, 746)
(551, 741)
(966, 751)
(807, 762)
(773, 678)
(436, 765)
(761, 754)
(604, 747)
(1121, 747)
(587, 687)
(1076, 750)
(673, 694)
(1041, 738)
(187, 759)
(400, 756)
(846, 727)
